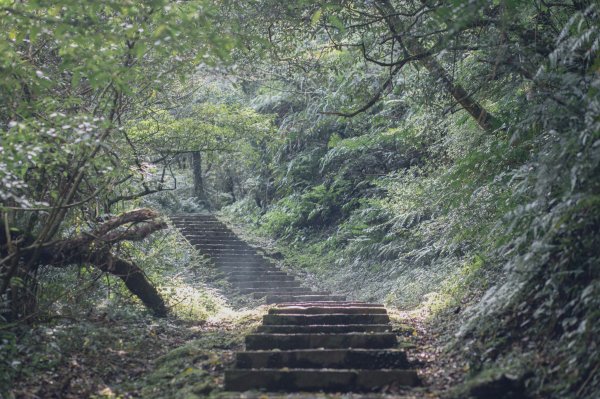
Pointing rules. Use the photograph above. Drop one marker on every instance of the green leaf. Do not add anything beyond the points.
(316, 17)
(337, 22)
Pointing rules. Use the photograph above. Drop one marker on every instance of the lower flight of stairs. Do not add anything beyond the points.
(322, 346)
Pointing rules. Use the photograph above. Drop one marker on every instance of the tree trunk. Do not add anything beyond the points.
(484, 119)
(199, 191)
(135, 280)
(94, 248)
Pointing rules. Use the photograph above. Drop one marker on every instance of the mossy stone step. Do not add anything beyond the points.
(264, 341)
(308, 319)
(312, 380)
(370, 359)
(274, 299)
(327, 310)
(324, 328)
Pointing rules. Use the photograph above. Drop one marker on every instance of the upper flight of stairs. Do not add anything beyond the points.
(248, 271)
(310, 341)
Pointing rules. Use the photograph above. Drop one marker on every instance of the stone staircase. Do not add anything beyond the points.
(248, 271)
(309, 341)
(322, 346)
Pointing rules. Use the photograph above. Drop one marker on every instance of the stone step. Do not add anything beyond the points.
(272, 276)
(243, 272)
(331, 303)
(196, 220)
(312, 380)
(200, 222)
(193, 233)
(262, 294)
(205, 227)
(238, 258)
(325, 328)
(274, 299)
(206, 231)
(327, 310)
(215, 240)
(263, 341)
(255, 271)
(240, 253)
(370, 359)
(192, 216)
(227, 251)
(212, 238)
(263, 291)
(240, 262)
(243, 261)
(266, 284)
(200, 234)
(221, 244)
(248, 269)
(216, 253)
(308, 319)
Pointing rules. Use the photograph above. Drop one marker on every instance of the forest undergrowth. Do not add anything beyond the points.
(104, 345)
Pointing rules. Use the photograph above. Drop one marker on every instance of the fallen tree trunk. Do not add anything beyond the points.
(95, 248)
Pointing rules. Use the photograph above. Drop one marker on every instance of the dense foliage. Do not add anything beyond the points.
(433, 154)
(419, 198)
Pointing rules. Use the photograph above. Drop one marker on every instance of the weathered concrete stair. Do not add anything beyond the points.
(241, 264)
(321, 346)
(311, 341)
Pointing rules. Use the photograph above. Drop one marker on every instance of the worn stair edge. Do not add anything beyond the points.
(318, 380)
(330, 303)
(331, 328)
(263, 341)
(371, 359)
(266, 284)
(274, 299)
(327, 310)
(306, 319)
